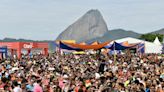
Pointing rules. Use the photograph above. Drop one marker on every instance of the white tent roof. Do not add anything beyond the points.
(156, 41)
(130, 40)
(150, 47)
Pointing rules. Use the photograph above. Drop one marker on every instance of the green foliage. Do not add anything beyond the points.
(151, 37)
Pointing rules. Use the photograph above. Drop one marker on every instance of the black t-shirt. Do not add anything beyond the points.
(101, 67)
(4, 79)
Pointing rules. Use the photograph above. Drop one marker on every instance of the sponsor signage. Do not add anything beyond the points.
(3, 50)
(28, 46)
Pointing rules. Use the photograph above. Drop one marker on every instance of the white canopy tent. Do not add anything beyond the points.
(156, 41)
(149, 46)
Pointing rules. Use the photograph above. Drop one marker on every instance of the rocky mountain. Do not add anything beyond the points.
(91, 25)
(116, 34)
(161, 31)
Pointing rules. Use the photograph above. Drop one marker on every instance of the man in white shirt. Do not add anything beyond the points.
(16, 87)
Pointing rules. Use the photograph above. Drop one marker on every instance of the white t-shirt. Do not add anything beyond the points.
(17, 89)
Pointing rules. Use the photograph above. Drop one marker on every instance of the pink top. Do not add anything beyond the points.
(45, 82)
(61, 84)
(38, 88)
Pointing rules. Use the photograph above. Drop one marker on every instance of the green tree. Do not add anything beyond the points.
(151, 37)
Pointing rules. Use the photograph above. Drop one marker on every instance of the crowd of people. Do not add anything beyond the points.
(83, 73)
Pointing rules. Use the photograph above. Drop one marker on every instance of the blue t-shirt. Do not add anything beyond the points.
(147, 90)
(29, 87)
(8, 66)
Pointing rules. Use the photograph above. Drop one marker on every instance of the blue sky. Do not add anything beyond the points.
(46, 19)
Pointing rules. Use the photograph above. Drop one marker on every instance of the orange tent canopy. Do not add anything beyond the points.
(82, 43)
(95, 43)
(125, 43)
(85, 47)
(129, 45)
